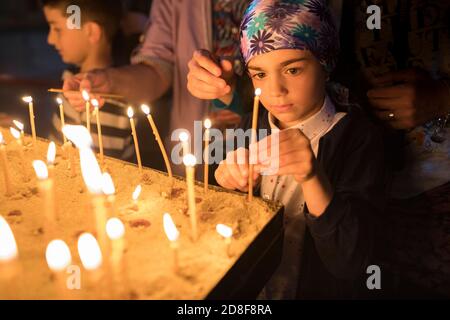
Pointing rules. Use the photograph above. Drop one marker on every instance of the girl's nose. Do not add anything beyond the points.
(277, 87)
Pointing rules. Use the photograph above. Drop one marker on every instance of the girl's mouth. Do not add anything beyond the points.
(281, 108)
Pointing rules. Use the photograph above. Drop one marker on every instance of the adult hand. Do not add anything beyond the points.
(95, 81)
(209, 79)
(408, 98)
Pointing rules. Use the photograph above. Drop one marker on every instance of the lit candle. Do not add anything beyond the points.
(225, 232)
(58, 259)
(9, 264)
(146, 110)
(109, 191)
(207, 124)
(20, 126)
(189, 161)
(16, 135)
(136, 194)
(116, 231)
(29, 100)
(99, 130)
(61, 115)
(173, 235)
(90, 256)
(93, 179)
(45, 186)
(80, 137)
(4, 163)
(253, 141)
(184, 138)
(86, 98)
(51, 154)
(130, 113)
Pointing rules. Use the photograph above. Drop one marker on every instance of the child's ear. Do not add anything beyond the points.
(94, 32)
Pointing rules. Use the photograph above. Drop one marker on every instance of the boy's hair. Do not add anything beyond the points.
(106, 13)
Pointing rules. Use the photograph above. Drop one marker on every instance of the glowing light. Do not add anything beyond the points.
(224, 230)
(51, 153)
(58, 255)
(8, 246)
(170, 228)
(115, 229)
(89, 251)
(130, 112)
(189, 160)
(108, 185)
(258, 92)
(145, 109)
(137, 192)
(41, 169)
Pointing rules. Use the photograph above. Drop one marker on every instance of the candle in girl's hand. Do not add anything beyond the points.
(16, 135)
(29, 100)
(5, 167)
(184, 138)
(253, 140)
(173, 235)
(61, 115)
(45, 186)
(207, 124)
(130, 113)
(58, 259)
(190, 161)
(99, 130)
(146, 110)
(225, 232)
(86, 98)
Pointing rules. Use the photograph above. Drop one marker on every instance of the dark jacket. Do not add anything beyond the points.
(338, 245)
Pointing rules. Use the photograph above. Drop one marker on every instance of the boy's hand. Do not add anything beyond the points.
(292, 155)
(94, 81)
(224, 119)
(208, 79)
(232, 172)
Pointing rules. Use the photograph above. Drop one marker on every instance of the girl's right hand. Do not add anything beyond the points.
(208, 79)
(232, 172)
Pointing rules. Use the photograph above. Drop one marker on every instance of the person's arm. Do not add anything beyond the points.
(344, 232)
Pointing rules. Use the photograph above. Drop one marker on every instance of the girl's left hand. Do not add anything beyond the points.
(290, 155)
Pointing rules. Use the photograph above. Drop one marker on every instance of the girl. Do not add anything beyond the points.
(330, 164)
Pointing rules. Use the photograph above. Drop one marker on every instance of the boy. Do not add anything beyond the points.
(89, 48)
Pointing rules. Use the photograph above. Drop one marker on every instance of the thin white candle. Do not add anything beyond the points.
(190, 161)
(130, 113)
(207, 124)
(29, 100)
(86, 98)
(172, 234)
(4, 164)
(252, 141)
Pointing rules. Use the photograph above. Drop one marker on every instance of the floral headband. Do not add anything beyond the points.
(270, 25)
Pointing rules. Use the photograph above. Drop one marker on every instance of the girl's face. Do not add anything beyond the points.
(292, 83)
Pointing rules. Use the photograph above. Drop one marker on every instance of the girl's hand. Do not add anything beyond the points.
(232, 172)
(290, 154)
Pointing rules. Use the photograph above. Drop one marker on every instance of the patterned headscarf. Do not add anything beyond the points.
(270, 25)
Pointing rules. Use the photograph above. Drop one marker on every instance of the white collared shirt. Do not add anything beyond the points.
(288, 191)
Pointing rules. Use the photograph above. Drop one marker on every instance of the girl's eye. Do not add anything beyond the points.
(294, 71)
(259, 75)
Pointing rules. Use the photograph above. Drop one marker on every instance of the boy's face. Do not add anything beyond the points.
(292, 83)
(72, 44)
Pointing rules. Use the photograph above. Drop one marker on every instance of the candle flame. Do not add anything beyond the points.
(145, 109)
(108, 185)
(8, 246)
(89, 251)
(224, 230)
(41, 169)
(115, 229)
(95, 103)
(207, 123)
(130, 112)
(51, 153)
(27, 99)
(85, 95)
(183, 136)
(2, 140)
(258, 92)
(189, 160)
(79, 135)
(58, 255)
(91, 172)
(169, 227)
(137, 192)
(15, 133)
(18, 124)
(59, 100)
